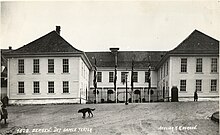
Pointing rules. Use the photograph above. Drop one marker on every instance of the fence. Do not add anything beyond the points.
(137, 96)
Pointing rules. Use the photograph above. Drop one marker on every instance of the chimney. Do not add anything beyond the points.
(115, 52)
(58, 29)
(10, 48)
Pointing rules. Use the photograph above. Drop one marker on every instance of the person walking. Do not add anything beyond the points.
(195, 96)
(4, 114)
(1, 112)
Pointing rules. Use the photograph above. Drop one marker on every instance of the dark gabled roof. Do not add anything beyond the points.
(142, 59)
(49, 43)
(197, 43)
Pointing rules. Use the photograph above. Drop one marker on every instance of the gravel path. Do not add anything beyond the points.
(166, 118)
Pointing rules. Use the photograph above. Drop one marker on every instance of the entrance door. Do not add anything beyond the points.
(110, 96)
(174, 94)
(137, 94)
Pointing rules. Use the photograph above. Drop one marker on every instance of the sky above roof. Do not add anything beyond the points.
(97, 26)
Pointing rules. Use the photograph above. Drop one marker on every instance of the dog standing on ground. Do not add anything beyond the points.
(85, 110)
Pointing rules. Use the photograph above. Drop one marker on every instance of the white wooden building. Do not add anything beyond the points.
(50, 70)
(192, 65)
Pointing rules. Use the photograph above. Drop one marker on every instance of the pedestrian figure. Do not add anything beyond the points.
(4, 115)
(195, 96)
(1, 108)
(5, 100)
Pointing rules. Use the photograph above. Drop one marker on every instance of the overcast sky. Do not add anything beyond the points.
(97, 26)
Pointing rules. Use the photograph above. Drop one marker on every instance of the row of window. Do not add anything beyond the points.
(198, 86)
(199, 64)
(36, 66)
(36, 87)
(123, 76)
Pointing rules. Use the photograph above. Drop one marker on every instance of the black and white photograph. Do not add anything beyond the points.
(110, 67)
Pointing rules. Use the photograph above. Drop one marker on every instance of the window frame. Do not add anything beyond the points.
(50, 66)
(213, 86)
(123, 76)
(146, 74)
(111, 77)
(99, 76)
(65, 86)
(20, 66)
(199, 85)
(21, 87)
(183, 65)
(135, 76)
(183, 85)
(167, 68)
(65, 65)
(36, 66)
(214, 65)
(199, 63)
(36, 87)
(50, 86)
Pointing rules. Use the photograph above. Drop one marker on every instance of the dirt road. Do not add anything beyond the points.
(181, 118)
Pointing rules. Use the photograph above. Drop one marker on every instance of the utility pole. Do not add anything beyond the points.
(95, 81)
(126, 83)
(114, 51)
(149, 82)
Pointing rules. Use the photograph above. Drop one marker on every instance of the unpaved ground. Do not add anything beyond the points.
(134, 119)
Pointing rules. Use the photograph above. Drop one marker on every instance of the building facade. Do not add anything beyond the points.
(142, 61)
(192, 66)
(50, 70)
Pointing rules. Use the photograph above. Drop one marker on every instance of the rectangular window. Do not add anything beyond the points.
(81, 68)
(99, 76)
(20, 87)
(135, 76)
(21, 66)
(182, 85)
(213, 85)
(164, 70)
(161, 72)
(198, 85)
(36, 66)
(199, 65)
(167, 86)
(123, 76)
(65, 87)
(147, 76)
(84, 71)
(183, 64)
(50, 65)
(167, 68)
(111, 76)
(36, 87)
(50, 87)
(65, 65)
(214, 64)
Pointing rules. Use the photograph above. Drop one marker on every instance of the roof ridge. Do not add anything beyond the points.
(203, 34)
(122, 51)
(193, 36)
(48, 43)
(67, 42)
